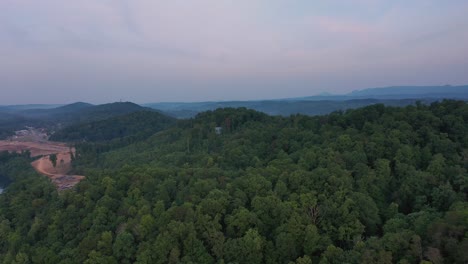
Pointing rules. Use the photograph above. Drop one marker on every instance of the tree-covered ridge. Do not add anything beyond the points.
(372, 185)
(137, 125)
(82, 112)
(320, 105)
(55, 119)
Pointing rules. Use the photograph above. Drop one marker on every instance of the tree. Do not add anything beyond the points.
(53, 159)
(247, 249)
(124, 248)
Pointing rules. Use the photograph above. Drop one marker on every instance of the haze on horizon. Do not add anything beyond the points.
(144, 51)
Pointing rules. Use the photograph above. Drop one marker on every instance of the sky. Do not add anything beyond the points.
(100, 51)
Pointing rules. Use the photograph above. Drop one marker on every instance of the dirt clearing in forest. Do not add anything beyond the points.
(36, 148)
(58, 174)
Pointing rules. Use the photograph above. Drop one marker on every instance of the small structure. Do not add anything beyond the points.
(218, 130)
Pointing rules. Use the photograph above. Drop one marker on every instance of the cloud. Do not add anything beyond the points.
(206, 45)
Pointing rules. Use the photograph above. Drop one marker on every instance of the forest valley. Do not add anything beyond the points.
(376, 184)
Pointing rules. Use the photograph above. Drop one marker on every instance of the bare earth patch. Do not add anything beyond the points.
(58, 174)
(36, 148)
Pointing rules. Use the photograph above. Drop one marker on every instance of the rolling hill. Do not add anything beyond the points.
(325, 103)
(398, 92)
(280, 107)
(63, 116)
(137, 125)
(370, 185)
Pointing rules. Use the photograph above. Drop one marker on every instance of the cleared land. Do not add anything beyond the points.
(58, 174)
(36, 148)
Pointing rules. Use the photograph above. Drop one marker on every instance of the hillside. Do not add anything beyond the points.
(284, 107)
(397, 93)
(70, 108)
(325, 103)
(10, 122)
(81, 112)
(371, 185)
(14, 108)
(136, 125)
(55, 113)
(60, 117)
(104, 111)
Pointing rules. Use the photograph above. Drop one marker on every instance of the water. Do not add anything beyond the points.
(4, 182)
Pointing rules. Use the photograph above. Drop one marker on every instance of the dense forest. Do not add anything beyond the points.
(371, 185)
(134, 126)
(59, 118)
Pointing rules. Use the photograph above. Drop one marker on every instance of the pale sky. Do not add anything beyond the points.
(98, 51)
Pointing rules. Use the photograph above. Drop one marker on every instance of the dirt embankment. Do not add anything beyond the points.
(58, 174)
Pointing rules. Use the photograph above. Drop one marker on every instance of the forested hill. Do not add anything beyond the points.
(83, 112)
(16, 118)
(11, 122)
(137, 125)
(325, 103)
(372, 185)
(55, 112)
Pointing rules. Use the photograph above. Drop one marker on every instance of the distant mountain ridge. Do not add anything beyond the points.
(62, 116)
(413, 90)
(82, 112)
(281, 107)
(56, 111)
(325, 103)
(12, 108)
(311, 105)
(397, 92)
(74, 106)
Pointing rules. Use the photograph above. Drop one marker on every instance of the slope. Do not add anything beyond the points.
(282, 107)
(371, 185)
(137, 125)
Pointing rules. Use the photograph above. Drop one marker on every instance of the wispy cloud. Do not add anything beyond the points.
(147, 48)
